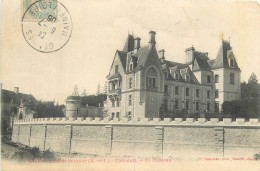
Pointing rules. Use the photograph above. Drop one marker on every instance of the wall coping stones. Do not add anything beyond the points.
(240, 120)
(202, 120)
(142, 121)
(88, 119)
(214, 120)
(97, 119)
(156, 120)
(167, 120)
(254, 121)
(227, 120)
(190, 120)
(178, 120)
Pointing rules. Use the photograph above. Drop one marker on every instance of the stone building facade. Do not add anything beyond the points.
(142, 83)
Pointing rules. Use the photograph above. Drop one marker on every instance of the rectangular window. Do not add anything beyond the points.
(176, 90)
(187, 91)
(113, 115)
(231, 62)
(177, 76)
(208, 79)
(130, 82)
(166, 104)
(129, 114)
(232, 78)
(187, 105)
(113, 103)
(197, 92)
(131, 67)
(165, 88)
(176, 105)
(216, 107)
(117, 114)
(116, 69)
(197, 106)
(113, 85)
(130, 100)
(166, 75)
(208, 106)
(216, 94)
(187, 78)
(208, 94)
(118, 102)
(216, 78)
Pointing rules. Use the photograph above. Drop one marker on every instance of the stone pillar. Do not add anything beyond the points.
(68, 129)
(108, 141)
(159, 141)
(45, 134)
(29, 137)
(219, 141)
(15, 133)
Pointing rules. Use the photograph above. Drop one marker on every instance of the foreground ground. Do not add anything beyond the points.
(21, 158)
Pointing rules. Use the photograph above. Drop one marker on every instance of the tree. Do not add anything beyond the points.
(250, 89)
(252, 79)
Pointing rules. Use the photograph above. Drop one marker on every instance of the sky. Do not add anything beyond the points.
(101, 27)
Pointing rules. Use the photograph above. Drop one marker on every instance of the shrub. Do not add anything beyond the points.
(257, 156)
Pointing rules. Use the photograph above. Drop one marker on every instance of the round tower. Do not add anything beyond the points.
(73, 104)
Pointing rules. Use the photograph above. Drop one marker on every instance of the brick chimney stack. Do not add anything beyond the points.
(137, 43)
(161, 55)
(16, 90)
(152, 37)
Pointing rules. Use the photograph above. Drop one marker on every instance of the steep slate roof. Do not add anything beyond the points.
(122, 56)
(201, 62)
(129, 44)
(142, 55)
(221, 60)
(10, 96)
(172, 64)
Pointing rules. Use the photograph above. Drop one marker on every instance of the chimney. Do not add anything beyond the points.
(152, 37)
(137, 43)
(189, 54)
(161, 55)
(16, 90)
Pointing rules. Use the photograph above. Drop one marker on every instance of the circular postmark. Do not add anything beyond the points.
(46, 25)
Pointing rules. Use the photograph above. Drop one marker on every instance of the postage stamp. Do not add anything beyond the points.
(46, 25)
(39, 9)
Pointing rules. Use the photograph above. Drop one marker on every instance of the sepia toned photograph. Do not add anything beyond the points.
(130, 85)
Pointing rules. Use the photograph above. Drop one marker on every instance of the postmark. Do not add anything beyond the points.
(46, 25)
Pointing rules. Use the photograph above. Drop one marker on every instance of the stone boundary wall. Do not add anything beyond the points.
(142, 137)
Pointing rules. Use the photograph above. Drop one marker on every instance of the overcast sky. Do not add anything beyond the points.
(101, 27)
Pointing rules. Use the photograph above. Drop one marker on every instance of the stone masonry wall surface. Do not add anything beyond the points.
(157, 138)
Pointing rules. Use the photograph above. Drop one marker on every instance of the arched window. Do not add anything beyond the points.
(151, 78)
(232, 78)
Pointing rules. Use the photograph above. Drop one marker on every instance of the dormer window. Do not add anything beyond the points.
(131, 67)
(187, 77)
(231, 61)
(208, 79)
(116, 69)
(176, 76)
(166, 75)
